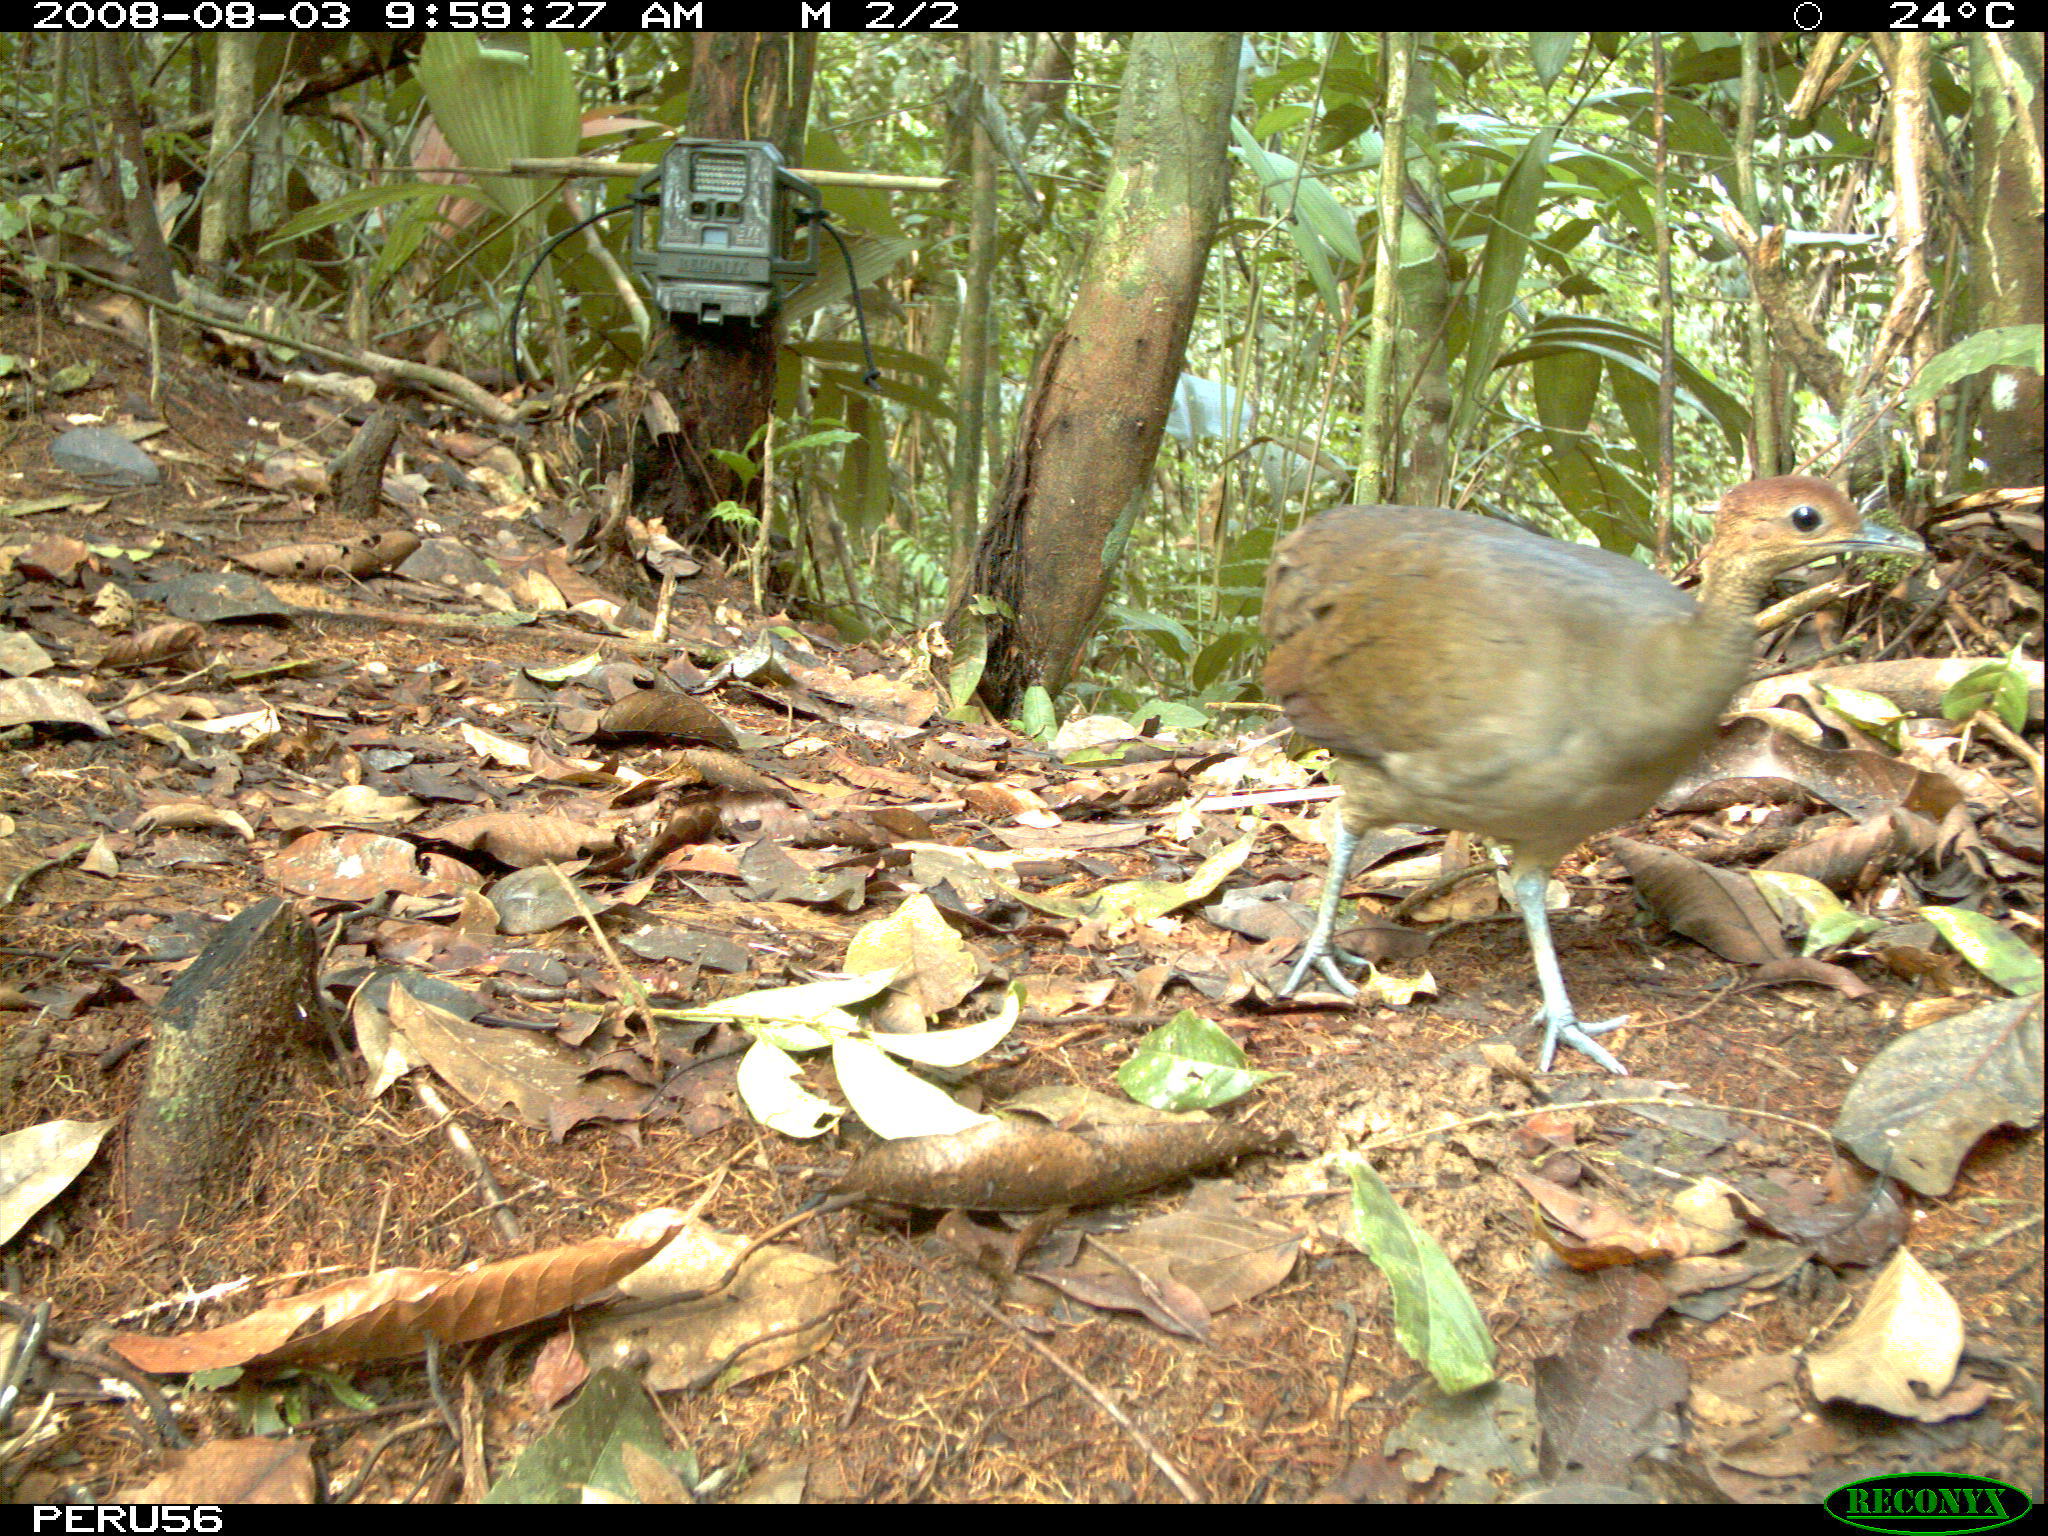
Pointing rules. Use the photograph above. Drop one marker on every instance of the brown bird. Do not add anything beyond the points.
(1467, 674)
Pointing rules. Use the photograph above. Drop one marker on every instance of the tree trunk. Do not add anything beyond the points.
(720, 377)
(1092, 426)
(2005, 257)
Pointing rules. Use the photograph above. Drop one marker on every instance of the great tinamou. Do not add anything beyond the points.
(1470, 675)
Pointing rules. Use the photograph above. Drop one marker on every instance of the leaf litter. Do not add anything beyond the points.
(508, 809)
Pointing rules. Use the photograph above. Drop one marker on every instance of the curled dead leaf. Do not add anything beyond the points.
(1013, 1165)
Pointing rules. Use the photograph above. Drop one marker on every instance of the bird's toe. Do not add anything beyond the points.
(1579, 1035)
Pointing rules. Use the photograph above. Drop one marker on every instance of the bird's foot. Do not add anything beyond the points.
(1578, 1034)
(1322, 959)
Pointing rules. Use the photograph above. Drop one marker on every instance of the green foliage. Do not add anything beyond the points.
(2002, 346)
(1533, 391)
(926, 571)
(2000, 687)
(26, 216)
(740, 464)
(1188, 1063)
(1035, 716)
(1436, 1321)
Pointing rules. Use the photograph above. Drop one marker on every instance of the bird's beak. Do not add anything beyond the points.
(1876, 537)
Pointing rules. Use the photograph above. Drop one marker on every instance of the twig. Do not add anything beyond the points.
(628, 982)
(152, 1396)
(1173, 1474)
(378, 1447)
(447, 1414)
(1996, 728)
(1493, 1117)
(465, 1149)
(452, 386)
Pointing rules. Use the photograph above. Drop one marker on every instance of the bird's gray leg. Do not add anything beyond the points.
(1318, 952)
(1559, 1020)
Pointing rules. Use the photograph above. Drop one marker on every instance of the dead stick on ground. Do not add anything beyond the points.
(452, 387)
(1168, 1470)
(465, 1149)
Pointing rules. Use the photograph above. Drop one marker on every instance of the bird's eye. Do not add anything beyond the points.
(1806, 517)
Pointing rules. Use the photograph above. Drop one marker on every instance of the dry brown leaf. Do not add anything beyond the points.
(670, 716)
(1723, 911)
(1901, 1351)
(778, 1308)
(1589, 1235)
(390, 1314)
(360, 866)
(534, 1078)
(524, 841)
(252, 1471)
(155, 646)
(357, 557)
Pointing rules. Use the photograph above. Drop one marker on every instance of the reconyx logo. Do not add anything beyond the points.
(1920, 1502)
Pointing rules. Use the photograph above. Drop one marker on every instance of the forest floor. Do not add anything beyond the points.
(919, 1358)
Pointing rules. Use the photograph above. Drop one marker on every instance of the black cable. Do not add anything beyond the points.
(823, 220)
(547, 249)
(816, 215)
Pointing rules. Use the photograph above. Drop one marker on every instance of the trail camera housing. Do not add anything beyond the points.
(728, 241)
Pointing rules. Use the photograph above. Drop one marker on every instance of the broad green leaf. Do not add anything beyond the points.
(1549, 53)
(872, 259)
(1512, 222)
(1315, 207)
(1994, 950)
(864, 481)
(970, 657)
(1035, 716)
(1637, 349)
(738, 463)
(1317, 261)
(1188, 1063)
(1435, 1319)
(585, 1449)
(829, 437)
(1566, 384)
(870, 210)
(1688, 130)
(497, 100)
(1695, 390)
(1872, 713)
(352, 205)
(1999, 686)
(1153, 623)
(1282, 119)
(899, 359)
(1637, 398)
(2000, 346)
(1602, 495)
(1803, 902)
(1219, 657)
